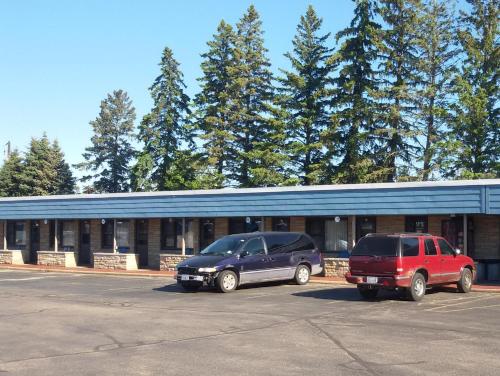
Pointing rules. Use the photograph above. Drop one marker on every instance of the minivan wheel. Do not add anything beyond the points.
(417, 289)
(368, 293)
(227, 281)
(302, 275)
(465, 283)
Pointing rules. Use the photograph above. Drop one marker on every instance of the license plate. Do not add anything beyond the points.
(187, 277)
(371, 279)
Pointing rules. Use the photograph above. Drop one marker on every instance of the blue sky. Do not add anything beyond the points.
(59, 59)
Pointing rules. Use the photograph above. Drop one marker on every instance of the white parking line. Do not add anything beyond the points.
(492, 296)
(471, 308)
(23, 279)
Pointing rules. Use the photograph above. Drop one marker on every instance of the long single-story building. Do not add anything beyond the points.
(157, 229)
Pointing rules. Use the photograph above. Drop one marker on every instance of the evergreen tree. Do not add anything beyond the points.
(475, 125)
(435, 68)
(353, 124)
(111, 152)
(11, 175)
(39, 175)
(305, 93)
(396, 96)
(164, 130)
(258, 161)
(65, 181)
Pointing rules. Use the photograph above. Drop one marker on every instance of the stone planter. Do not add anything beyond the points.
(169, 261)
(336, 267)
(121, 261)
(51, 258)
(13, 257)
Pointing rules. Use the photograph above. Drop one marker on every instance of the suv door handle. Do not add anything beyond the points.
(426, 261)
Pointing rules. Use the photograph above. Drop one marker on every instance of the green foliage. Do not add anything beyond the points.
(351, 136)
(304, 98)
(163, 131)
(11, 175)
(111, 152)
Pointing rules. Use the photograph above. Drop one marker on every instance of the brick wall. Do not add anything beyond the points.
(297, 224)
(169, 261)
(486, 237)
(221, 227)
(336, 267)
(388, 224)
(434, 224)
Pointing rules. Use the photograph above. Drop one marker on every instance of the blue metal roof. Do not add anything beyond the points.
(451, 197)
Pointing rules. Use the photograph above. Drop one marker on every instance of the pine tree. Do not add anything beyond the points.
(65, 181)
(435, 69)
(11, 175)
(304, 97)
(353, 123)
(164, 130)
(214, 104)
(258, 162)
(109, 157)
(475, 125)
(398, 56)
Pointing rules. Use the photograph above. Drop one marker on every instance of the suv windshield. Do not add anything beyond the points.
(223, 247)
(376, 246)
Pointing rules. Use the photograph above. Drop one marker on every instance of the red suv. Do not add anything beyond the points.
(409, 263)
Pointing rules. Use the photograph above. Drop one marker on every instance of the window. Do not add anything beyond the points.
(329, 234)
(242, 225)
(445, 248)
(171, 233)
(365, 226)
(377, 246)
(207, 232)
(254, 247)
(281, 224)
(410, 246)
(188, 236)
(430, 247)
(285, 243)
(416, 223)
(107, 234)
(16, 235)
(68, 234)
(122, 234)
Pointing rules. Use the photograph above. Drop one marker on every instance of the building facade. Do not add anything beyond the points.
(157, 229)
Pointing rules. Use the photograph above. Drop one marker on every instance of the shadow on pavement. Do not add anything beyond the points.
(347, 294)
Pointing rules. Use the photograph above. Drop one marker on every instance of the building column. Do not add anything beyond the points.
(465, 234)
(5, 235)
(353, 230)
(56, 235)
(115, 244)
(183, 240)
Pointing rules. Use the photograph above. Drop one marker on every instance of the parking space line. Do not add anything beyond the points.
(492, 296)
(470, 308)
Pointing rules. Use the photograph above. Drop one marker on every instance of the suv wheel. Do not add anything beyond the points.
(368, 293)
(465, 283)
(302, 275)
(417, 289)
(227, 281)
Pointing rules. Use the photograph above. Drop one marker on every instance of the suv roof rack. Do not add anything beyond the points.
(398, 233)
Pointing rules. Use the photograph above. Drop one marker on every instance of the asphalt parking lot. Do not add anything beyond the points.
(75, 324)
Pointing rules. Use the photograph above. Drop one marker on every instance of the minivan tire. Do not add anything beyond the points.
(464, 285)
(302, 275)
(368, 293)
(227, 281)
(417, 288)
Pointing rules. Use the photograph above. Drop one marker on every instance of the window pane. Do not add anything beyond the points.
(416, 223)
(430, 247)
(445, 247)
(315, 228)
(107, 234)
(207, 232)
(336, 235)
(376, 246)
(189, 235)
(410, 246)
(281, 224)
(20, 234)
(122, 234)
(68, 237)
(254, 247)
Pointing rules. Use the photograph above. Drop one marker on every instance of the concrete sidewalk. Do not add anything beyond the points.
(478, 287)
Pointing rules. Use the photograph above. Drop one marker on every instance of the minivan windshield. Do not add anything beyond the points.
(223, 247)
(376, 246)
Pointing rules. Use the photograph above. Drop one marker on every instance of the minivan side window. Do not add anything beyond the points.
(430, 247)
(254, 246)
(286, 243)
(409, 246)
(446, 249)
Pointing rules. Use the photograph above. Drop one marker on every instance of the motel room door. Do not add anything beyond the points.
(84, 253)
(141, 241)
(34, 241)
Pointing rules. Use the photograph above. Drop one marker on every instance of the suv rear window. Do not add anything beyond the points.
(376, 246)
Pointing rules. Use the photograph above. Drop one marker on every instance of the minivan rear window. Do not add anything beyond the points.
(376, 246)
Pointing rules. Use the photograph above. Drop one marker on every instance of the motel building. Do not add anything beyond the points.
(156, 230)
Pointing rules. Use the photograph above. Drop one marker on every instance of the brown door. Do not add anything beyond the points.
(141, 241)
(84, 254)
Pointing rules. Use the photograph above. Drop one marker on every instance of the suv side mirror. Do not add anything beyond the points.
(457, 251)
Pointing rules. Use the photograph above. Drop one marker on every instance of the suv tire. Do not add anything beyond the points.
(417, 289)
(464, 284)
(302, 275)
(368, 293)
(227, 281)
